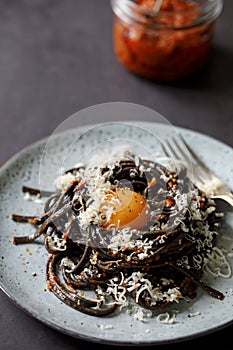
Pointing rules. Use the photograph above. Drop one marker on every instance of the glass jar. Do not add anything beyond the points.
(166, 45)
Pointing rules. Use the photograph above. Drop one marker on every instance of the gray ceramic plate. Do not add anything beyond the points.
(18, 264)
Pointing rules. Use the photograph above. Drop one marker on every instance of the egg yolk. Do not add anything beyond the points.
(125, 208)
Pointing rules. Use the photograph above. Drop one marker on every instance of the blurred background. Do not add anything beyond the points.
(57, 57)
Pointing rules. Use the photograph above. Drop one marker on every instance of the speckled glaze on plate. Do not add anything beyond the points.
(22, 268)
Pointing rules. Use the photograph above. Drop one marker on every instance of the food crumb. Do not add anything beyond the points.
(166, 318)
(28, 251)
(107, 326)
(193, 314)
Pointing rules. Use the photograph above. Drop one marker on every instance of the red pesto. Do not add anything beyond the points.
(165, 53)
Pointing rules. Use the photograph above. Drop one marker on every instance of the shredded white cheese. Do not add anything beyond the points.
(166, 318)
(62, 181)
(196, 230)
(217, 264)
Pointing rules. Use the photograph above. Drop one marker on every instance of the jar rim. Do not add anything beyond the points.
(130, 11)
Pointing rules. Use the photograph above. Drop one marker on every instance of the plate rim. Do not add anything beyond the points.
(39, 142)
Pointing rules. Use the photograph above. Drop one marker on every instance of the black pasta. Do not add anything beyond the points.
(159, 259)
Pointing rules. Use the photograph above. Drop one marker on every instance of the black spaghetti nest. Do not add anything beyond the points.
(154, 266)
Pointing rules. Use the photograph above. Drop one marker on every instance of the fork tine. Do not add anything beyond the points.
(172, 150)
(198, 172)
(165, 150)
(182, 155)
(168, 155)
(189, 164)
(195, 157)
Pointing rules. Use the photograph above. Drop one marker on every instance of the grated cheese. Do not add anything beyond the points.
(97, 187)
(217, 264)
(194, 314)
(196, 230)
(28, 197)
(166, 318)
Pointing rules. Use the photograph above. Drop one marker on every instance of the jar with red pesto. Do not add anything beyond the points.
(167, 44)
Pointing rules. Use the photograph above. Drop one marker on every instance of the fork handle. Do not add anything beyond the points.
(227, 197)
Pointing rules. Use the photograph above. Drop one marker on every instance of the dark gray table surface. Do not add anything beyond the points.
(56, 57)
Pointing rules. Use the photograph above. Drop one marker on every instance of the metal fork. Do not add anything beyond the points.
(199, 173)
